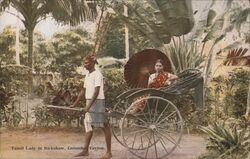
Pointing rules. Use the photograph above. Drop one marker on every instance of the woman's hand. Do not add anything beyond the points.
(173, 77)
(167, 83)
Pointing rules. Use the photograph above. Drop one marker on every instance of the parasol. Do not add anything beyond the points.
(141, 65)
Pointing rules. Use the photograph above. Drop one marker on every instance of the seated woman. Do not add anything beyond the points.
(158, 79)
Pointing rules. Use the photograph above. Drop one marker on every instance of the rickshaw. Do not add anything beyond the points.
(156, 131)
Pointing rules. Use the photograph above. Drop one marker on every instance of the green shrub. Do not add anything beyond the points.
(228, 95)
(227, 142)
(45, 117)
(114, 85)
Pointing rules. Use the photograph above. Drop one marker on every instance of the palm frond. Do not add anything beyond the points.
(215, 31)
(184, 55)
(237, 57)
(73, 11)
(230, 47)
(211, 16)
(225, 140)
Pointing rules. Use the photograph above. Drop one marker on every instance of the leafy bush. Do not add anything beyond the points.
(228, 95)
(11, 83)
(114, 85)
(45, 117)
(227, 142)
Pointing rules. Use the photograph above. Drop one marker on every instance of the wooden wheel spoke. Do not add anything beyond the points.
(149, 111)
(144, 114)
(172, 113)
(142, 130)
(141, 139)
(162, 113)
(172, 140)
(156, 155)
(156, 106)
(126, 139)
(138, 118)
(134, 140)
(149, 142)
(162, 143)
(141, 126)
(141, 145)
(157, 127)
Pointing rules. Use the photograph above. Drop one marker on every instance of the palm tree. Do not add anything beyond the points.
(63, 11)
(155, 21)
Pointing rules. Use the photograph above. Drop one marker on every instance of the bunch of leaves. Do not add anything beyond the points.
(45, 117)
(229, 95)
(43, 50)
(69, 47)
(7, 45)
(184, 55)
(5, 98)
(237, 57)
(215, 27)
(236, 92)
(114, 85)
(113, 41)
(13, 117)
(12, 81)
(228, 143)
(142, 19)
(14, 78)
(42, 117)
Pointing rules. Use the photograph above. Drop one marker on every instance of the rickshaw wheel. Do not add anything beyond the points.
(154, 132)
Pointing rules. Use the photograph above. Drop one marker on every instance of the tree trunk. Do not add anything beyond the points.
(30, 48)
(126, 34)
(17, 42)
(30, 60)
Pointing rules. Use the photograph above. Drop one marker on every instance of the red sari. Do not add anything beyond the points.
(158, 81)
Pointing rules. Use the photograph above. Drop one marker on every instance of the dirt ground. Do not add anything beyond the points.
(24, 144)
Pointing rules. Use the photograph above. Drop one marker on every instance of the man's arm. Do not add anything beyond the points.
(95, 95)
(79, 97)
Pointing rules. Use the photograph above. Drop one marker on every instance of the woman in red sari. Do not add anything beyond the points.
(156, 80)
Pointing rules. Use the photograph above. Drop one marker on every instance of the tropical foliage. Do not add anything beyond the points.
(227, 143)
(33, 12)
(69, 49)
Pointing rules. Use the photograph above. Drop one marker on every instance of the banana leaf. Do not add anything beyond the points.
(178, 15)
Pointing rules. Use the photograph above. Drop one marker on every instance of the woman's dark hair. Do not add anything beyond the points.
(160, 61)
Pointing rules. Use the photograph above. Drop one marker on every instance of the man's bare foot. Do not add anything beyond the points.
(83, 153)
(108, 155)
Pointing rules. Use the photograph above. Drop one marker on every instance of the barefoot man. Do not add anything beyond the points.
(95, 105)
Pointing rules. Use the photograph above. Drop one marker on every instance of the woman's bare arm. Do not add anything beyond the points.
(172, 77)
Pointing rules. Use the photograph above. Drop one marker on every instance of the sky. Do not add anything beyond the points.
(47, 27)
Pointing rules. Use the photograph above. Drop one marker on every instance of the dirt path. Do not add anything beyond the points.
(66, 144)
